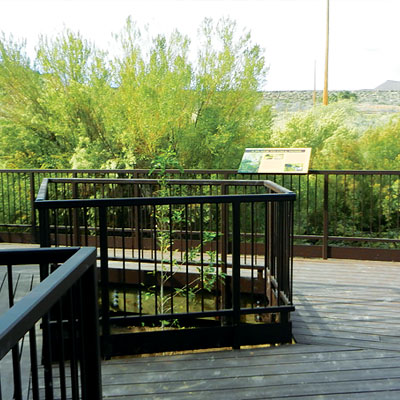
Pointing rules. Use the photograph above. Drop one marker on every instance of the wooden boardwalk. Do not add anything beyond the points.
(347, 329)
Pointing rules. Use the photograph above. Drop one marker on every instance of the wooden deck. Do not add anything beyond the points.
(347, 329)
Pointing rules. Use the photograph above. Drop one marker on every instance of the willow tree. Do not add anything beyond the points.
(74, 106)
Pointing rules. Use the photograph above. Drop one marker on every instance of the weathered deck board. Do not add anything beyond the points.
(265, 373)
(349, 303)
(24, 278)
(347, 328)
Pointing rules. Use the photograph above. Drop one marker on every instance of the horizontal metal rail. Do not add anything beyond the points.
(346, 208)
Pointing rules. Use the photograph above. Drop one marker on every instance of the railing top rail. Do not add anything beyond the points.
(36, 256)
(139, 201)
(42, 201)
(219, 182)
(353, 172)
(277, 188)
(200, 171)
(121, 171)
(26, 312)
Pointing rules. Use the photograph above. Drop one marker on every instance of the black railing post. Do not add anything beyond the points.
(75, 214)
(44, 224)
(136, 211)
(32, 204)
(236, 273)
(44, 231)
(325, 217)
(280, 253)
(291, 234)
(91, 338)
(105, 301)
(225, 292)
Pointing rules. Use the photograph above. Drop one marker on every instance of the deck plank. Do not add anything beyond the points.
(347, 328)
(274, 377)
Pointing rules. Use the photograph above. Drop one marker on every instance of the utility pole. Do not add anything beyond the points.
(325, 94)
(314, 96)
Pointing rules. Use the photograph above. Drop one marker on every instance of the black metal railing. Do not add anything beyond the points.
(343, 214)
(211, 256)
(65, 303)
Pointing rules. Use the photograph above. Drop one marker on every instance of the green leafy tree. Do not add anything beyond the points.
(74, 107)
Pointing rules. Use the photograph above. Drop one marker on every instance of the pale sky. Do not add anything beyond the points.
(364, 34)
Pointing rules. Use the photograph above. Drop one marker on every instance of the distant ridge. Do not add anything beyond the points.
(389, 85)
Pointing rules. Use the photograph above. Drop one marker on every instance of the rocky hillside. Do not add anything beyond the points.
(389, 85)
(371, 101)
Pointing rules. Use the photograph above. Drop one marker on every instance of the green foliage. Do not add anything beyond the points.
(380, 146)
(74, 107)
(341, 137)
(167, 219)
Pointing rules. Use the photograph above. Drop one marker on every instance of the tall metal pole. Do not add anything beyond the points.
(315, 84)
(325, 94)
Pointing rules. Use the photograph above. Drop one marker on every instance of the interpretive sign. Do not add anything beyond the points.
(275, 161)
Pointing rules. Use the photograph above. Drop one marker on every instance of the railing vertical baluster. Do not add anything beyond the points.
(70, 225)
(398, 204)
(91, 343)
(299, 203)
(124, 255)
(236, 273)
(139, 252)
(171, 271)
(217, 305)
(224, 247)
(84, 362)
(105, 300)
(267, 252)
(187, 257)
(135, 236)
(34, 364)
(308, 199)
(55, 224)
(353, 200)
(32, 212)
(61, 350)
(3, 203)
(75, 214)
(291, 234)
(47, 357)
(15, 349)
(86, 226)
(380, 206)
(13, 194)
(73, 344)
(202, 255)
(44, 227)
(252, 252)
(336, 205)
(155, 259)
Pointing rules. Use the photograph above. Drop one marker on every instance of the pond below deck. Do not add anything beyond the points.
(347, 332)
